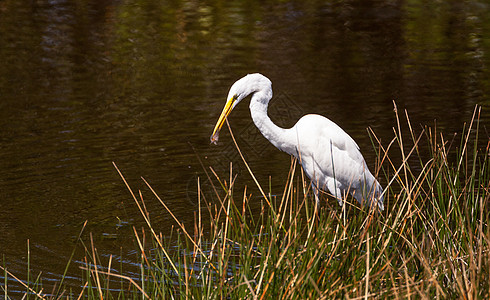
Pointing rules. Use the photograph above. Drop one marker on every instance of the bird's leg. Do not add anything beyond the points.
(334, 189)
(315, 192)
(317, 197)
(344, 208)
(340, 201)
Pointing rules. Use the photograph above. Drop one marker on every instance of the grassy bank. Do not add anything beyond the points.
(432, 240)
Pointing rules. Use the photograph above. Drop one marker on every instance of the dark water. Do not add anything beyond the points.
(141, 83)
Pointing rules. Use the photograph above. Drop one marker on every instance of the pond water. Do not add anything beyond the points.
(142, 82)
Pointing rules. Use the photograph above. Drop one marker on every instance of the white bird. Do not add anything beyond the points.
(328, 155)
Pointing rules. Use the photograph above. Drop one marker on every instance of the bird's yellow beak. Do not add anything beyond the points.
(224, 114)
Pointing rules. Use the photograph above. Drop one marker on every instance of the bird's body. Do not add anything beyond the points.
(328, 155)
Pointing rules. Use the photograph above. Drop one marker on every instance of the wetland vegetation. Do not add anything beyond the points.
(432, 240)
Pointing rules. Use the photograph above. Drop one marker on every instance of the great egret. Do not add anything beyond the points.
(328, 155)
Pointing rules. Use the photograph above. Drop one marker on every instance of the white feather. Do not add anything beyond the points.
(328, 155)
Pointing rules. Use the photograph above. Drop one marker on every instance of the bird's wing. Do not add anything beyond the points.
(328, 153)
(327, 146)
(320, 133)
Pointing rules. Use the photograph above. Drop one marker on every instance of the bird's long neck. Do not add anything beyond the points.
(278, 136)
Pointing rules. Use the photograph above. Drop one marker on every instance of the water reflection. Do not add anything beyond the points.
(142, 83)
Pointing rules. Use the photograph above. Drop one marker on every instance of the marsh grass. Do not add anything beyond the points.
(432, 240)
